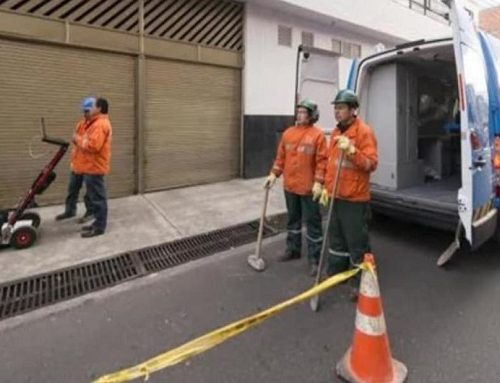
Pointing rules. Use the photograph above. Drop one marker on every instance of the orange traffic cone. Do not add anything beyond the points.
(369, 359)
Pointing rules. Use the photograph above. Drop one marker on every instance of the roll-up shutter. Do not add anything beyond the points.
(192, 124)
(46, 80)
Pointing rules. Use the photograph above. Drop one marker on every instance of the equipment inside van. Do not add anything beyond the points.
(409, 96)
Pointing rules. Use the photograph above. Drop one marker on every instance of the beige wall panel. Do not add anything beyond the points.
(102, 38)
(21, 25)
(192, 124)
(43, 80)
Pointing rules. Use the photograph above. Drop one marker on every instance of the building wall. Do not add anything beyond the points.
(269, 73)
(382, 16)
(489, 21)
(270, 68)
(172, 75)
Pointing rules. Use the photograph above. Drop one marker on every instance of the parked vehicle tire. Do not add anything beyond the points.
(496, 237)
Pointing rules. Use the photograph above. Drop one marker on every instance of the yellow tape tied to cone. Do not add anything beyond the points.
(214, 338)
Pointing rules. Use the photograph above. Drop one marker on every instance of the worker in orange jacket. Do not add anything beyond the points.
(301, 158)
(76, 180)
(92, 146)
(348, 232)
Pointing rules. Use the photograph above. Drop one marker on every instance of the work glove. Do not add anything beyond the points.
(345, 144)
(317, 189)
(270, 181)
(324, 198)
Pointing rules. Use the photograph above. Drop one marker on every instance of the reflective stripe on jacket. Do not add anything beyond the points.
(301, 158)
(354, 182)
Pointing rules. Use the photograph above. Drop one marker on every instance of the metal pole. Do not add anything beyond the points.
(315, 301)
(296, 98)
(140, 99)
(243, 96)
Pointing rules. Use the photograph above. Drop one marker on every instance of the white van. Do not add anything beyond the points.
(434, 108)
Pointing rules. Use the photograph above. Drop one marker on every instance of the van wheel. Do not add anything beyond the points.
(376, 217)
(496, 236)
(23, 237)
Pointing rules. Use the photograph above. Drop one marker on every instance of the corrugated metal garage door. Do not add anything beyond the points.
(50, 81)
(192, 124)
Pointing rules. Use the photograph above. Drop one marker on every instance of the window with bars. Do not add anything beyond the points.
(284, 36)
(336, 46)
(356, 51)
(307, 39)
(346, 49)
(350, 50)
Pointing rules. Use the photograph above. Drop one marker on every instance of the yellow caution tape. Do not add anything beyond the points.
(212, 339)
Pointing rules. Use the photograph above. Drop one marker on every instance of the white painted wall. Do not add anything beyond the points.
(269, 74)
(383, 16)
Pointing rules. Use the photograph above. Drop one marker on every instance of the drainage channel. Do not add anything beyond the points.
(27, 294)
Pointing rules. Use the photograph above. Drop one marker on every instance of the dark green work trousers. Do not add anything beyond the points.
(303, 207)
(348, 236)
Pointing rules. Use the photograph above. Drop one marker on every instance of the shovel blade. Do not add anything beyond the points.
(256, 263)
(448, 253)
(314, 303)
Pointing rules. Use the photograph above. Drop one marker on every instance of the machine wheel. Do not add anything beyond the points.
(23, 237)
(33, 217)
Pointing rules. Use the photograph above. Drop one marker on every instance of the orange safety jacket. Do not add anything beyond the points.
(91, 152)
(354, 179)
(301, 158)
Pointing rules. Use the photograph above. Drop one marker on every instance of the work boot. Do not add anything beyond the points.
(86, 218)
(64, 216)
(91, 233)
(289, 256)
(313, 271)
(87, 228)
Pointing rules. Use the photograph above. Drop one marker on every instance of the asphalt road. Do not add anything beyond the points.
(443, 323)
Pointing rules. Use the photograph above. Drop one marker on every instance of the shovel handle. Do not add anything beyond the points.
(329, 219)
(261, 224)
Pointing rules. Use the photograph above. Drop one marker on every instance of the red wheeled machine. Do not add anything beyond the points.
(19, 227)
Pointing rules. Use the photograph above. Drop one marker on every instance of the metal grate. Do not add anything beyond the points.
(181, 251)
(21, 296)
(18, 297)
(214, 23)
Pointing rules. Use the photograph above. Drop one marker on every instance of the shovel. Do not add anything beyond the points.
(452, 249)
(254, 260)
(315, 302)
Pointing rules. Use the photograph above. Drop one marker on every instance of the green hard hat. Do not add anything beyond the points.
(346, 96)
(312, 107)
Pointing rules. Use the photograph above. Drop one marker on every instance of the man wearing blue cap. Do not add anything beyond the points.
(76, 179)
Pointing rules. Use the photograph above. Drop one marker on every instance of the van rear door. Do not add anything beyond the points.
(475, 197)
(491, 49)
(351, 78)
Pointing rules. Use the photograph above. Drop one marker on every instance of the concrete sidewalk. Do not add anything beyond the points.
(140, 221)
